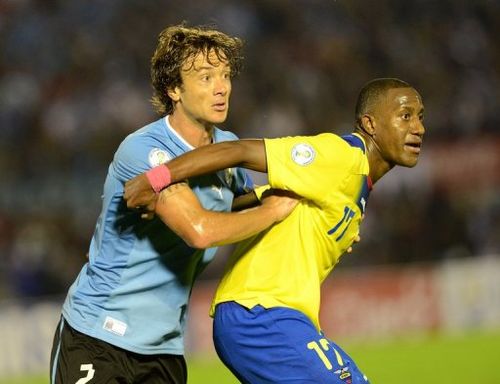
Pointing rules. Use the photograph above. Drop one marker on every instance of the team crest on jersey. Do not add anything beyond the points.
(158, 156)
(303, 154)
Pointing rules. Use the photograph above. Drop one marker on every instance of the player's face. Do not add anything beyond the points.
(399, 126)
(204, 94)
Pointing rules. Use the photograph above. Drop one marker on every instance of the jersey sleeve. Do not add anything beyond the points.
(310, 166)
(132, 157)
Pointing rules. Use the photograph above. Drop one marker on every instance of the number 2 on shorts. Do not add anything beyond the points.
(90, 373)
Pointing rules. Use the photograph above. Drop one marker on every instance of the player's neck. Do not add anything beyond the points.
(378, 165)
(194, 132)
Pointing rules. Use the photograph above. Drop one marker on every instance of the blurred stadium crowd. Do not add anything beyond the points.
(74, 80)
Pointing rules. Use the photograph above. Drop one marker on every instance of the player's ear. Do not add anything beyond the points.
(174, 94)
(368, 124)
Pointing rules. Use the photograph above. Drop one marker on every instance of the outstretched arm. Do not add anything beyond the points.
(140, 192)
(248, 154)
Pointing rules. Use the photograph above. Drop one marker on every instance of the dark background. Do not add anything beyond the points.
(74, 81)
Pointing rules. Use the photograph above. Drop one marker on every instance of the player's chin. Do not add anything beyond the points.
(217, 121)
(218, 117)
(409, 161)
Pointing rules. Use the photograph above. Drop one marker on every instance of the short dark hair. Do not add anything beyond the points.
(371, 92)
(179, 43)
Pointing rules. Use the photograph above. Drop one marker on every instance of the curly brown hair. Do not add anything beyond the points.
(179, 43)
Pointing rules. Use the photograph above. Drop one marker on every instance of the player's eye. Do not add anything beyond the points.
(406, 116)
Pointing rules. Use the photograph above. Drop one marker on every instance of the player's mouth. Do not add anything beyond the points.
(413, 147)
(220, 107)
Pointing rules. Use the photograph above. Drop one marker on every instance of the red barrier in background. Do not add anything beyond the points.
(379, 302)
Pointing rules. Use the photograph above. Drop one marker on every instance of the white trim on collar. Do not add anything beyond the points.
(169, 127)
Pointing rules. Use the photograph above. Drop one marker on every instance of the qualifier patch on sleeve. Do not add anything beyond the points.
(303, 154)
(158, 156)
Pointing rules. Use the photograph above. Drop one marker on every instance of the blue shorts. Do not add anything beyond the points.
(279, 345)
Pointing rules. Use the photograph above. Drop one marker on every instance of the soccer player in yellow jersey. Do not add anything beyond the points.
(266, 327)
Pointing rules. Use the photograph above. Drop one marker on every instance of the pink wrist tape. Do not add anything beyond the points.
(159, 177)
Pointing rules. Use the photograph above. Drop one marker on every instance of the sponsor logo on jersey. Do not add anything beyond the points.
(303, 154)
(344, 374)
(158, 156)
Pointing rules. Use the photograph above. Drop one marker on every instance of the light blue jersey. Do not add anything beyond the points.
(134, 290)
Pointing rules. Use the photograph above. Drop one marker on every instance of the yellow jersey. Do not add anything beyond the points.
(285, 265)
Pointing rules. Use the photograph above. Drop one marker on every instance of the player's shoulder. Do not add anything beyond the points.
(354, 141)
(351, 140)
(145, 134)
(326, 142)
(141, 140)
(348, 145)
(140, 150)
(345, 152)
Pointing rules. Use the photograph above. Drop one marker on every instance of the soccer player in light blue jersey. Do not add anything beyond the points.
(124, 317)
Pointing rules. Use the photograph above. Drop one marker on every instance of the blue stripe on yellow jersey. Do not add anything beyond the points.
(286, 264)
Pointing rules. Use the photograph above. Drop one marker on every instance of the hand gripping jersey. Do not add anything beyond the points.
(134, 290)
(285, 265)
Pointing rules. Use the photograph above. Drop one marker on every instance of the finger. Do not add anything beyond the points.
(126, 191)
(349, 250)
(131, 204)
(147, 215)
(135, 203)
(151, 206)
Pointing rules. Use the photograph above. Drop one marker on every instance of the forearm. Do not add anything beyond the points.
(181, 211)
(248, 154)
(220, 228)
